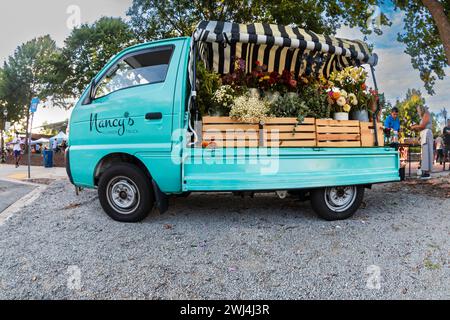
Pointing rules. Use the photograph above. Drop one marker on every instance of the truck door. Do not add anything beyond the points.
(133, 101)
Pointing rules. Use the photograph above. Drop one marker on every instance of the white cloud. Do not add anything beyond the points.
(394, 73)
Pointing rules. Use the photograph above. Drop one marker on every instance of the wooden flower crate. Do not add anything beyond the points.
(338, 133)
(286, 132)
(227, 132)
(368, 134)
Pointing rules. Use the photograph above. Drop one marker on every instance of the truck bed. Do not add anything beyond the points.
(259, 169)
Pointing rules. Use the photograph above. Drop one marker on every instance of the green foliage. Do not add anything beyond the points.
(289, 105)
(86, 51)
(207, 84)
(408, 111)
(155, 19)
(423, 42)
(315, 102)
(23, 76)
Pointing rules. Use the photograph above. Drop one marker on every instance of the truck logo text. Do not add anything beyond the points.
(102, 126)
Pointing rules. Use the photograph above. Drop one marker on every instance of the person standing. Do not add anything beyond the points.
(392, 124)
(426, 140)
(17, 149)
(439, 149)
(446, 133)
(55, 145)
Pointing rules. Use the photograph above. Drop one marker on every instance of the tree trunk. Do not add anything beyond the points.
(442, 22)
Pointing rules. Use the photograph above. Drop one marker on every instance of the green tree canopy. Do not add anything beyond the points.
(427, 37)
(23, 75)
(408, 112)
(86, 51)
(154, 19)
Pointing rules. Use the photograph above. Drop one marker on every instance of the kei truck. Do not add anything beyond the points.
(137, 134)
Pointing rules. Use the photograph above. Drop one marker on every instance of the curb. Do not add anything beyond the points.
(22, 202)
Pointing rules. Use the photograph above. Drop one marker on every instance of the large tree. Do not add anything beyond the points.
(23, 76)
(87, 49)
(427, 37)
(153, 19)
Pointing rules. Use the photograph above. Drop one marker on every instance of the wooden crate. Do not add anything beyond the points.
(227, 132)
(286, 132)
(368, 134)
(337, 133)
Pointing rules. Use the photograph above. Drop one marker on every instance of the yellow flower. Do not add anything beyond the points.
(347, 108)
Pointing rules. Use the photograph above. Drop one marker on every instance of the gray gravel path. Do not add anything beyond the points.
(221, 247)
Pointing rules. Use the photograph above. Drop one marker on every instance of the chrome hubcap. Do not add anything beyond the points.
(339, 199)
(123, 195)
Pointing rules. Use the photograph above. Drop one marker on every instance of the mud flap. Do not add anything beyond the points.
(161, 199)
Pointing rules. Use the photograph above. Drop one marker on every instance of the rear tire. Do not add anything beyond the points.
(125, 193)
(337, 203)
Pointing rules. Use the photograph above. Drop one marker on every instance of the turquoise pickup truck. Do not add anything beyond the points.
(134, 133)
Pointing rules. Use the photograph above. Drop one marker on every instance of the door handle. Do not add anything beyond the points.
(153, 116)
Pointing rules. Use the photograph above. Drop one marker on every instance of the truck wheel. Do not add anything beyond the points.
(337, 203)
(125, 193)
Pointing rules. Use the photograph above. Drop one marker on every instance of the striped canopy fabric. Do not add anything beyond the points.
(278, 47)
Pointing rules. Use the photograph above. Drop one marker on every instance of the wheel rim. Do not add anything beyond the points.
(123, 195)
(340, 199)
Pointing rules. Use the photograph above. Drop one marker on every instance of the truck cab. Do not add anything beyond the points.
(131, 137)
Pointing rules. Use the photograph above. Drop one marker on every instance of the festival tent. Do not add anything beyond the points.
(60, 137)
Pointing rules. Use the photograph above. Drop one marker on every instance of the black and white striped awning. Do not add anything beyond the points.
(278, 47)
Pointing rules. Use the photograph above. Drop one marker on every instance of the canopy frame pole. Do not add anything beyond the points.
(377, 111)
(194, 83)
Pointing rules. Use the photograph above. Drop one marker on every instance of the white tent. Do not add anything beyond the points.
(40, 141)
(60, 137)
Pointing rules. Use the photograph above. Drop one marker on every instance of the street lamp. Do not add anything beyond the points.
(5, 115)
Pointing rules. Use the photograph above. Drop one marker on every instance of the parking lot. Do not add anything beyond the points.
(217, 246)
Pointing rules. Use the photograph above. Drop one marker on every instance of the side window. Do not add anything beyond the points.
(137, 69)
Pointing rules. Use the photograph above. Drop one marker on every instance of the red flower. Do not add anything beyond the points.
(363, 86)
(257, 63)
(293, 84)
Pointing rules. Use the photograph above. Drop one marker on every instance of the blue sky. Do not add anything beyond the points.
(394, 72)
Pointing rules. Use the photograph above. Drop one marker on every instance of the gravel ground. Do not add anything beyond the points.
(215, 246)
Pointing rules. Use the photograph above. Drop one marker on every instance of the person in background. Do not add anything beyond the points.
(426, 140)
(64, 146)
(446, 133)
(439, 149)
(55, 145)
(392, 123)
(38, 148)
(17, 149)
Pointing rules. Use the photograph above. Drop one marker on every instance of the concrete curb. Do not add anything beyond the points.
(22, 202)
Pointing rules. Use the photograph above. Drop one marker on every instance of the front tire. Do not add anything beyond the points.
(125, 193)
(337, 203)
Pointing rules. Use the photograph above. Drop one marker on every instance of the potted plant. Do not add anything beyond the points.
(339, 100)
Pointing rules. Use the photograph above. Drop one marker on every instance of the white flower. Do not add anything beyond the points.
(341, 101)
(344, 93)
(249, 109)
(353, 99)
